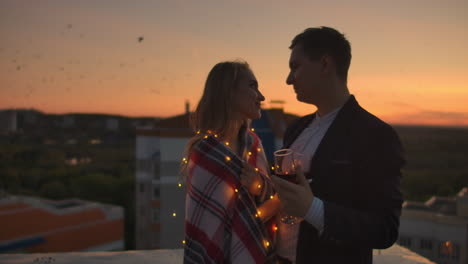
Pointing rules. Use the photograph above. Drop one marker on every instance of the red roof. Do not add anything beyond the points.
(61, 229)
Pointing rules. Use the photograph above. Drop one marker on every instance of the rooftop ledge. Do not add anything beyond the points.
(394, 254)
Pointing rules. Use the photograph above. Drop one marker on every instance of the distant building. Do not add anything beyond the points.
(160, 191)
(32, 225)
(112, 124)
(438, 228)
(8, 121)
(68, 121)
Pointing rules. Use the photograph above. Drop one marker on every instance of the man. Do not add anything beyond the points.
(350, 195)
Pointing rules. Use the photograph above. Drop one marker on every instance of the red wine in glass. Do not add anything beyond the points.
(289, 177)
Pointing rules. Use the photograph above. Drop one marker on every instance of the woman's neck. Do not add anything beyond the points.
(233, 135)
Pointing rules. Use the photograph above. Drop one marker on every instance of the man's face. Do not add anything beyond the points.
(305, 76)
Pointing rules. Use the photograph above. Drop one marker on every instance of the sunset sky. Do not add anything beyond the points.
(409, 66)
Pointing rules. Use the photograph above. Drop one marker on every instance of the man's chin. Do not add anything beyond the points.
(303, 100)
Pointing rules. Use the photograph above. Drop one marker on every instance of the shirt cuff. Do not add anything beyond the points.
(315, 214)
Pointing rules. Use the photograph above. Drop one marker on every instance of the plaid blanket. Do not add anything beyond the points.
(220, 219)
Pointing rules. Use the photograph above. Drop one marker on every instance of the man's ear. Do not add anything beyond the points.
(327, 64)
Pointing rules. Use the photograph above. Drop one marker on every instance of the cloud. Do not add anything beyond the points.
(428, 117)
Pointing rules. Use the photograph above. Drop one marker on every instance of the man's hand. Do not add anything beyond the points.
(296, 199)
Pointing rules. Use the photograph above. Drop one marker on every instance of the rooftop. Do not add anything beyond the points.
(394, 254)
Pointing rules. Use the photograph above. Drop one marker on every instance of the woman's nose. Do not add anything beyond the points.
(261, 97)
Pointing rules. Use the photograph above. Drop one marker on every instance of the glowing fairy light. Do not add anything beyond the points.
(252, 129)
(216, 135)
(259, 149)
(271, 197)
(267, 244)
(272, 167)
(259, 212)
(227, 143)
(236, 190)
(228, 158)
(205, 137)
(180, 184)
(183, 242)
(256, 169)
(259, 186)
(275, 228)
(174, 214)
(250, 153)
(198, 132)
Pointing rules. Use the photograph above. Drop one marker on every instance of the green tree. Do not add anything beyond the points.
(54, 190)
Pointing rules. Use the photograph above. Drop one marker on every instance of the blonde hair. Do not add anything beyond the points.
(215, 110)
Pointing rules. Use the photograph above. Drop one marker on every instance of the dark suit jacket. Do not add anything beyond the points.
(356, 173)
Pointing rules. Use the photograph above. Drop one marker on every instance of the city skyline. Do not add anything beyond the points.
(146, 58)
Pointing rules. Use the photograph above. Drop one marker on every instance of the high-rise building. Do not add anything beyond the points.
(8, 121)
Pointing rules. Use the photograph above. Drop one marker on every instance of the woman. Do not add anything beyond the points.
(230, 200)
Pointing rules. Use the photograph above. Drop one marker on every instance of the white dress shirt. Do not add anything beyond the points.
(306, 143)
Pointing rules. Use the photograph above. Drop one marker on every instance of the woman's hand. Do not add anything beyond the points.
(251, 179)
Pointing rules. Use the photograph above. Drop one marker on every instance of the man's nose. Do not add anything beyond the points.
(289, 79)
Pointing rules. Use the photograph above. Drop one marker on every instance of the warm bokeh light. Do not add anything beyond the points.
(146, 58)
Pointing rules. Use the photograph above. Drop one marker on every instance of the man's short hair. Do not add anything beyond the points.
(320, 41)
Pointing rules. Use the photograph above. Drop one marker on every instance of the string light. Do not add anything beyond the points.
(180, 184)
(205, 136)
(227, 143)
(228, 158)
(256, 169)
(252, 129)
(275, 228)
(184, 160)
(259, 212)
(216, 135)
(236, 190)
(273, 167)
(259, 186)
(250, 153)
(183, 242)
(258, 149)
(267, 244)
(209, 131)
(174, 214)
(271, 197)
(198, 132)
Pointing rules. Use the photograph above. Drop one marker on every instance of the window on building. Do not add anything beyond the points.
(155, 215)
(156, 193)
(426, 244)
(449, 250)
(405, 241)
(156, 165)
(143, 165)
(156, 170)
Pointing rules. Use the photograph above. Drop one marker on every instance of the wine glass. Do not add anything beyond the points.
(286, 162)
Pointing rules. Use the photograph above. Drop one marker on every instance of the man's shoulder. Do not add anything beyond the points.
(370, 123)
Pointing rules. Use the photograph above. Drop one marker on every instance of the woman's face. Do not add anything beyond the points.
(247, 97)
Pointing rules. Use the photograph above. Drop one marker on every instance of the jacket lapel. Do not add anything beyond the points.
(335, 136)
